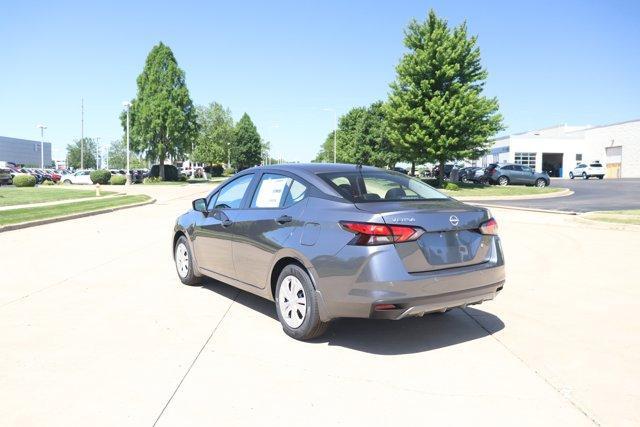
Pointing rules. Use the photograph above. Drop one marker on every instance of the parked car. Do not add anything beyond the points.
(79, 177)
(587, 171)
(447, 170)
(5, 176)
(468, 174)
(326, 241)
(401, 170)
(513, 174)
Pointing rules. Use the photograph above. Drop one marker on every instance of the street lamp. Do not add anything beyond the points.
(335, 131)
(97, 153)
(127, 105)
(42, 128)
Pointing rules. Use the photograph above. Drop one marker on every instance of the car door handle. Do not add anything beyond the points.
(284, 219)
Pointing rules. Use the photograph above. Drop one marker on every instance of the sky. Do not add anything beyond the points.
(285, 62)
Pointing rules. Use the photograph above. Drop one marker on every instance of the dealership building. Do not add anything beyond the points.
(559, 149)
(24, 152)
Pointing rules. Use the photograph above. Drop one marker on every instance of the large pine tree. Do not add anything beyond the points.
(163, 118)
(436, 110)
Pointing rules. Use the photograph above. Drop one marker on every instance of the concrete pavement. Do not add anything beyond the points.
(99, 331)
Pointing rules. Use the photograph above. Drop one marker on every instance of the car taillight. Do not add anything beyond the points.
(489, 227)
(380, 234)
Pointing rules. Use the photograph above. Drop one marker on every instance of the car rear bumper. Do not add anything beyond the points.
(380, 278)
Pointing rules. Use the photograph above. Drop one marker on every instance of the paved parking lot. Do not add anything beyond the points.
(589, 195)
(97, 330)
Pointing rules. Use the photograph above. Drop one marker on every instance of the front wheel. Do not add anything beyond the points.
(584, 175)
(184, 262)
(570, 175)
(297, 304)
(503, 181)
(541, 182)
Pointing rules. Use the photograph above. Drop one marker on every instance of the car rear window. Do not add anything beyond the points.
(595, 165)
(378, 185)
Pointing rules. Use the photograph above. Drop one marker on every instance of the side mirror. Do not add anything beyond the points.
(200, 205)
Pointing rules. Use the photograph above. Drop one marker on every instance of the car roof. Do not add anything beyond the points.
(314, 167)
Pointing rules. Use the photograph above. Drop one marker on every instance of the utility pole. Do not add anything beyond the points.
(97, 152)
(82, 135)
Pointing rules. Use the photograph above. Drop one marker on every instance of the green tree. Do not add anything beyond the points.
(362, 139)
(246, 150)
(163, 118)
(215, 134)
(117, 154)
(73, 154)
(436, 110)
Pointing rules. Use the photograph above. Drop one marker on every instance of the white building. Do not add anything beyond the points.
(559, 149)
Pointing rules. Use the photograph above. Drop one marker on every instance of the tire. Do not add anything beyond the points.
(584, 175)
(66, 181)
(184, 262)
(503, 181)
(600, 176)
(541, 183)
(571, 175)
(299, 321)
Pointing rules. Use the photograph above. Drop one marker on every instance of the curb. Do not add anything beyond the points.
(517, 208)
(21, 225)
(563, 193)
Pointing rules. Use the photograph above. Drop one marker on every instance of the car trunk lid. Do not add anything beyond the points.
(451, 238)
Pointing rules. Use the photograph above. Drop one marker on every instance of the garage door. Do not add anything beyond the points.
(614, 161)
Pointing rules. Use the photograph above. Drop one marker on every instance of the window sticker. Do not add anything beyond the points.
(271, 191)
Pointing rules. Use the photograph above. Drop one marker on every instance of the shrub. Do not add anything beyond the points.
(100, 176)
(215, 170)
(152, 180)
(24, 180)
(47, 182)
(451, 186)
(228, 172)
(183, 178)
(118, 180)
(171, 172)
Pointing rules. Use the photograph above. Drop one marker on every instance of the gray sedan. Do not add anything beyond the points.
(511, 173)
(326, 241)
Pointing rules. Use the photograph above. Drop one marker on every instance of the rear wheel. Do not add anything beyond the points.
(297, 304)
(503, 181)
(66, 181)
(584, 175)
(184, 262)
(570, 175)
(600, 176)
(541, 182)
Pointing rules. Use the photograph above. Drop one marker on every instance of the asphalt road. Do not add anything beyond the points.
(96, 329)
(589, 195)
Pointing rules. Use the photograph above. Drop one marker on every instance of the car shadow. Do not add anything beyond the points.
(385, 337)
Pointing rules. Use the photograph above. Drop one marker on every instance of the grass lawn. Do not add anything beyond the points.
(14, 216)
(631, 216)
(470, 190)
(11, 196)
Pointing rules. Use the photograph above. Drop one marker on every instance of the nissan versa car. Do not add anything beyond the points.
(326, 241)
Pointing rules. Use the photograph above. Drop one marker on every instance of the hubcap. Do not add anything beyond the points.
(182, 260)
(292, 301)
(503, 181)
(540, 183)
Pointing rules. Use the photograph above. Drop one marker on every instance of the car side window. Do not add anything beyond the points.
(526, 169)
(507, 168)
(517, 168)
(230, 197)
(277, 191)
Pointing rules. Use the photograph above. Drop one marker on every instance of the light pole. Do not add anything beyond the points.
(335, 132)
(97, 153)
(42, 128)
(127, 105)
(228, 155)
